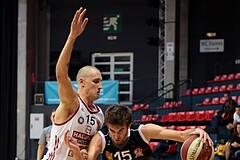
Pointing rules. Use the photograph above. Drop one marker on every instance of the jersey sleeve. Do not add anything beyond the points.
(142, 135)
(103, 140)
(100, 117)
(42, 139)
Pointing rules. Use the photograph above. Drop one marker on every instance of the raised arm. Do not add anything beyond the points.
(65, 90)
(152, 131)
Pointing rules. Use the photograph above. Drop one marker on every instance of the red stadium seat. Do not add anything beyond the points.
(222, 100)
(144, 118)
(135, 107)
(175, 104)
(230, 87)
(181, 128)
(149, 118)
(144, 106)
(166, 105)
(217, 78)
(238, 87)
(215, 101)
(172, 104)
(201, 90)
(155, 118)
(195, 91)
(206, 102)
(223, 88)
(200, 116)
(209, 114)
(153, 145)
(234, 98)
(164, 118)
(172, 148)
(238, 100)
(190, 116)
(224, 77)
(181, 116)
(215, 89)
(179, 103)
(187, 93)
(231, 76)
(190, 127)
(237, 76)
(172, 117)
(208, 90)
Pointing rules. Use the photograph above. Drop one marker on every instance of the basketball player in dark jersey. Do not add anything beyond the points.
(135, 146)
(124, 140)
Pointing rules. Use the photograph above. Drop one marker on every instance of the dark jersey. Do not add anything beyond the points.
(135, 147)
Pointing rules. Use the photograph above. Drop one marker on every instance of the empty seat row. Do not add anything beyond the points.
(225, 77)
(182, 128)
(189, 116)
(140, 107)
(212, 89)
(216, 101)
(148, 118)
(171, 104)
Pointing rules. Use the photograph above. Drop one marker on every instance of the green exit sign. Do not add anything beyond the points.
(112, 23)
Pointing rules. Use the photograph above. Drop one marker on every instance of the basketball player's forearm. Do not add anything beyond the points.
(64, 58)
(95, 147)
(77, 27)
(93, 153)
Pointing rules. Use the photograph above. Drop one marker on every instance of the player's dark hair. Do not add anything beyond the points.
(118, 115)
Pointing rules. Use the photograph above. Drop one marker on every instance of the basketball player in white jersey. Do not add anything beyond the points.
(76, 113)
(123, 140)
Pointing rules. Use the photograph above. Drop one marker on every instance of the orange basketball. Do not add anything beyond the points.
(194, 149)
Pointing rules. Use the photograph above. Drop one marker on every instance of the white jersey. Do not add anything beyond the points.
(82, 125)
(236, 117)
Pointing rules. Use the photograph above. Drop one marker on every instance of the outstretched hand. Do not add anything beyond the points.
(73, 145)
(203, 136)
(69, 141)
(78, 23)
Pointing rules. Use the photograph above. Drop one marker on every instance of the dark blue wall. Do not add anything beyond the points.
(221, 17)
(132, 38)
